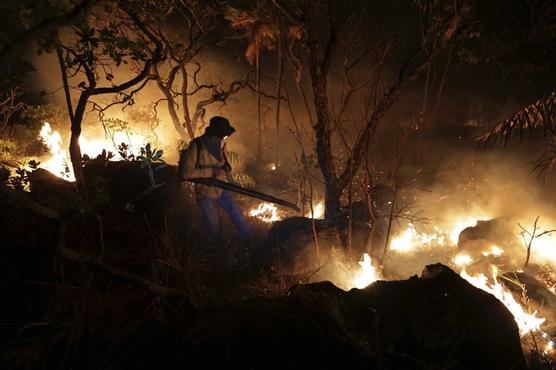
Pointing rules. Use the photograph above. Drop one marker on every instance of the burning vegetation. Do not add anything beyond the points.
(277, 184)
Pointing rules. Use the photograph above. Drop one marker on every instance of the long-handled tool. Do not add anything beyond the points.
(210, 181)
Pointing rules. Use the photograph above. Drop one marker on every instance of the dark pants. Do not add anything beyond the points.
(226, 202)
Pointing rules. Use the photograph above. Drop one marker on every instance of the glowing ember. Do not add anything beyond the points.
(266, 212)
(463, 260)
(525, 321)
(58, 162)
(318, 211)
(366, 275)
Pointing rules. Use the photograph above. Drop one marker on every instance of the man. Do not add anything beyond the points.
(205, 157)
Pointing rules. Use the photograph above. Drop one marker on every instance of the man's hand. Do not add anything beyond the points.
(218, 172)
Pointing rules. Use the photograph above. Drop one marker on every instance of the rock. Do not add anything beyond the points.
(292, 240)
(485, 234)
(51, 190)
(127, 181)
(436, 321)
(4, 174)
(292, 243)
(443, 321)
(116, 182)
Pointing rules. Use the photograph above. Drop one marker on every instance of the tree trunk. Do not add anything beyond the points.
(75, 156)
(75, 119)
(166, 90)
(75, 148)
(175, 119)
(259, 123)
(185, 104)
(323, 135)
(332, 204)
(278, 94)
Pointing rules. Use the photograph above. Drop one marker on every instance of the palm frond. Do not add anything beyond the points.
(260, 31)
(239, 19)
(547, 161)
(539, 115)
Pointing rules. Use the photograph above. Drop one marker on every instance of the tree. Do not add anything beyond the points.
(309, 17)
(110, 38)
(178, 75)
(18, 32)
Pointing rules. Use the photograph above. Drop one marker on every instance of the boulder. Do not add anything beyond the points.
(436, 321)
(123, 184)
(291, 242)
(486, 233)
(128, 185)
(4, 174)
(51, 190)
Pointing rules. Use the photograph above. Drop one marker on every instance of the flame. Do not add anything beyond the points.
(58, 162)
(527, 322)
(463, 260)
(266, 212)
(318, 211)
(404, 242)
(410, 240)
(495, 251)
(366, 275)
(94, 146)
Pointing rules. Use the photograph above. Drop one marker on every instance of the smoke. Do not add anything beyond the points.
(471, 185)
(457, 181)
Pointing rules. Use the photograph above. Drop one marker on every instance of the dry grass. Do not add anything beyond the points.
(181, 261)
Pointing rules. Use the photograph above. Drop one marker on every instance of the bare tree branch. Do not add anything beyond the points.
(456, 26)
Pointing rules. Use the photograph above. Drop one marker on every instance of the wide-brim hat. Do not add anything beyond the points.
(219, 126)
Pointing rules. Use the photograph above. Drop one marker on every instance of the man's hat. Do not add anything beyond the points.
(219, 126)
